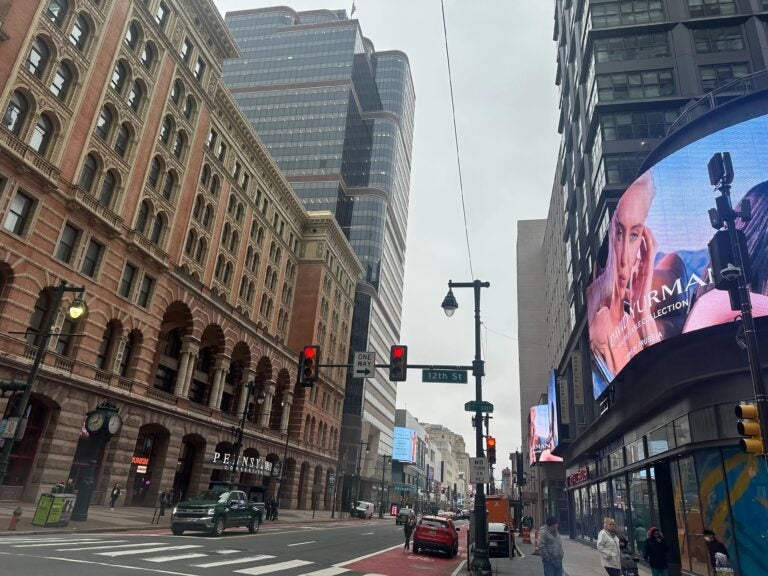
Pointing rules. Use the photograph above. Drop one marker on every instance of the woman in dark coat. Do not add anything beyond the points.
(655, 552)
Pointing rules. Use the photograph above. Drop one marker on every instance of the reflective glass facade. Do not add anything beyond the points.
(338, 119)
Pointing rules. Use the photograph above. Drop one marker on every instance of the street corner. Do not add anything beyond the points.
(396, 562)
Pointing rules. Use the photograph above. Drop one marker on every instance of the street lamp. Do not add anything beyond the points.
(359, 460)
(381, 492)
(75, 311)
(260, 397)
(481, 565)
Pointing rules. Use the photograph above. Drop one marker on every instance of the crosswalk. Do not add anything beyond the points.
(154, 552)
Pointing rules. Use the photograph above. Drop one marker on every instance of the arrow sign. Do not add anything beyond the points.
(364, 364)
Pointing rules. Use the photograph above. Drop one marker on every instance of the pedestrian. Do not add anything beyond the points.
(609, 548)
(408, 527)
(268, 509)
(274, 508)
(114, 495)
(628, 562)
(714, 546)
(655, 552)
(551, 548)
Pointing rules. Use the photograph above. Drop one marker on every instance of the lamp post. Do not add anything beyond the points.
(260, 397)
(381, 492)
(75, 311)
(481, 565)
(359, 468)
(282, 466)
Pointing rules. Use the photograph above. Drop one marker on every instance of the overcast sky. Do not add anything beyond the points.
(503, 67)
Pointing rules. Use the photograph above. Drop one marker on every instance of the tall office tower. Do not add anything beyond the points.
(640, 82)
(337, 116)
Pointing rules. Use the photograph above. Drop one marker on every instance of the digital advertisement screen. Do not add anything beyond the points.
(405, 445)
(541, 435)
(655, 280)
(553, 416)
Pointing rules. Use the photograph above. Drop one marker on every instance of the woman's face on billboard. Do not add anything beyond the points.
(628, 229)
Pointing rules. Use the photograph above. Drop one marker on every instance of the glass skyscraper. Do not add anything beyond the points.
(337, 116)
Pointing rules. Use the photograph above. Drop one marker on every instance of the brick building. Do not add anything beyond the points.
(127, 168)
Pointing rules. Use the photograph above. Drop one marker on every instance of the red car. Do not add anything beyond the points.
(436, 533)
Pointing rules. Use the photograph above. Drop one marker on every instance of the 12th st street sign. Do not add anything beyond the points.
(446, 376)
(475, 406)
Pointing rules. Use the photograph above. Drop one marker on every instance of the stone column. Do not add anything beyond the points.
(189, 349)
(266, 408)
(217, 387)
(287, 403)
(248, 377)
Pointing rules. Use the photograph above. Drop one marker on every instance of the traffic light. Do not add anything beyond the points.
(398, 363)
(308, 361)
(749, 427)
(490, 449)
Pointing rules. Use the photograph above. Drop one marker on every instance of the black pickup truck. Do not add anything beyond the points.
(215, 510)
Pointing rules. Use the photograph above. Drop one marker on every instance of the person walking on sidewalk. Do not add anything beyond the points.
(551, 548)
(114, 496)
(655, 552)
(714, 546)
(408, 528)
(609, 548)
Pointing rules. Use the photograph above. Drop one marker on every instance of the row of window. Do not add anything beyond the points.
(629, 12)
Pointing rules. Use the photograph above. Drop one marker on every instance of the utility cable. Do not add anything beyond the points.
(456, 141)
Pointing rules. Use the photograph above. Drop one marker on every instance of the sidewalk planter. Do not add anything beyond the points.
(53, 510)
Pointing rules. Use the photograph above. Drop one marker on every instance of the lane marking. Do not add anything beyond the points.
(459, 568)
(39, 545)
(176, 557)
(367, 533)
(235, 561)
(147, 550)
(108, 565)
(106, 546)
(302, 543)
(332, 571)
(273, 567)
(346, 562)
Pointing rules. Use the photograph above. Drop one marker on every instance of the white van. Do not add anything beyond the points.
(364, 510)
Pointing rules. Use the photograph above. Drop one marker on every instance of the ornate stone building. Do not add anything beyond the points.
(127, 169)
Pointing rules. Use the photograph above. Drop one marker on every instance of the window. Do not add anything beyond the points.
(66, 337)
(154, 172)
(127, 280)
(118, 77)
(179, 145)
(61, 81)
(145, 291)
(636, 47)
(165, 130)
(199, 70)
(78, 36)
(212, 135)
(626, 12)
(636, 85)
(186, 50)
(176, 91)
(88, 175)
(16, 113)
(19, 214)
(104, 123)
(108, 189)
(148, 56)
(169, 185)
(142, 217)
(102, 358)
(92, 258)
(57, 11)
(42, 135)
(67, 243)
(38, 58)
(702, 8)
(719, 75)
(122, 140)
(725, 39)
(132, 36)
(622, 168)
(636, 125)
(189, 107)
(161, 15)
(135, 97)
(157, 230)
(221, 154)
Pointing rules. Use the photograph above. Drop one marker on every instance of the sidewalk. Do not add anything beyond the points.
(102, 519)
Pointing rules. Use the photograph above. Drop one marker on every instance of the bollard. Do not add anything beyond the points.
(15, 518)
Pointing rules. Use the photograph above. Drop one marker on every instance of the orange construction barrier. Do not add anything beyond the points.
(526, 535)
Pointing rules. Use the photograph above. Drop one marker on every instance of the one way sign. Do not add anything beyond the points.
(365, 362)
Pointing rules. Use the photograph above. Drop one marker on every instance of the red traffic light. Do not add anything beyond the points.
(398, 351)
(309, 352)
(491, 441)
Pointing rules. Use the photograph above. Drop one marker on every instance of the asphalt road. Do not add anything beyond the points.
(296, 550)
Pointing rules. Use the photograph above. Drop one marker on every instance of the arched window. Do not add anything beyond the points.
(200, 254)
(16, 113)
(104, 124)
(80, 32)
(233, 244)
(42, 135)
(108, 189)
(198, 207)
(205, 176)
(189, 107)
(132, 36)
(225, 234)
(57, 11)
(228, 273)
(131, 345)
(62, 81)
(179, 144)
(177, 90)
(154, 172)
(208, 216)
(219, 266)
(38, 58)
(136, 96)
(106, 347)
(119, 74)
(169, 185)
(148, 56)
(142, 217)
(88, 174)
(157, 229)
(215, 185)
(123, 140)
(165, 130)
(191, 240)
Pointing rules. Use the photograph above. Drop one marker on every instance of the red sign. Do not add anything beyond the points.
(578, 477)
(140, 460)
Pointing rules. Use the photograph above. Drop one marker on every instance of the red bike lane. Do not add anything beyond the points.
(396, 562)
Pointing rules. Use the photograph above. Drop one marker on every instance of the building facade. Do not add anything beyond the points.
(658, 445)
(337, 116)
(128, 170)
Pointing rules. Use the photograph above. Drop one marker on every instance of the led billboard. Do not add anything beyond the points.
(553, 415)
(541, 435)
(405, 444)
(653, 281)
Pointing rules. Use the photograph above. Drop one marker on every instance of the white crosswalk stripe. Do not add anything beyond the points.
(186, 556)
(332, 571)
(49, 544)
(147, 550)
(234, 561)
(255, 571)
(106, 546)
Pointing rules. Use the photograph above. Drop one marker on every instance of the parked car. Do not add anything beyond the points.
(402, 515)
(215, 510)
(436, 533)
(498, 540)
(364, 510)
